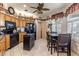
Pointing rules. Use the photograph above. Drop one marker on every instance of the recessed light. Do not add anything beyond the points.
(24, 5)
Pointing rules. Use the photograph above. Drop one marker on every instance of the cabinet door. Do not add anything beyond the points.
(23, 35)
(8, 18)
(20, 23)
(17, 22)
(13, 19)
(24, 23)
(2, 46)
(2, 20)
(20, 38)
(7, 37)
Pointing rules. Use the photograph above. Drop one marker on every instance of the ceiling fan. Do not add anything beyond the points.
(40, 8)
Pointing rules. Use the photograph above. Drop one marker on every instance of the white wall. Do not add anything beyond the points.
(38, 29)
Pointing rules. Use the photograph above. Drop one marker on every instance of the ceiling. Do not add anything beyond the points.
(54, 8)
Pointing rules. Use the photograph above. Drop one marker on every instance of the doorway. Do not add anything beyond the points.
(41, 29)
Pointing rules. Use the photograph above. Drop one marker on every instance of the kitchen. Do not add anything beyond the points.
(16, 22)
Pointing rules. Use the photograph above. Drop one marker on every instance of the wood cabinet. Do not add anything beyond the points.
(20, 21)
(2, 20)
(23, 23)
(2, 46)
(1, 16)
(7, 18)
(21, 36)
(17, 23)
(7, 41)
(13, 19)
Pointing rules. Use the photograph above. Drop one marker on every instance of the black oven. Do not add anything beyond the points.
(14, 39)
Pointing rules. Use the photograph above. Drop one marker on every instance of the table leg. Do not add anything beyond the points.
(51, 48)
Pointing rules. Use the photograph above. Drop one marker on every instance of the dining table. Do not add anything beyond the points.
(54, 38)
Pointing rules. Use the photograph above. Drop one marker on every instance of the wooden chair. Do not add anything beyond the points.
(64, 44)
(48, 41)
(51, 42)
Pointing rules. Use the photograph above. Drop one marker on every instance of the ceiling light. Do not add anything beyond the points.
(24, 5)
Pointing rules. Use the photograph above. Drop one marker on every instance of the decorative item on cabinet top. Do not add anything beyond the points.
(11, 10)
(1, 4)
(26, 17)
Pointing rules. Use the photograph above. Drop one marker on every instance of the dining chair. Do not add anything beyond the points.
(54, 43)
(51, 41)
(64, 44)
(48, 41)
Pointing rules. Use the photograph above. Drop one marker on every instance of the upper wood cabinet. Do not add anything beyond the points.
(2, 16)
(21, 21)
(13, 19)
(2, 20)
(17, 23)
(7, 18)
(24, 23)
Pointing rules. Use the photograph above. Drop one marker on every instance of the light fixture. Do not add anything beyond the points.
(24, 5)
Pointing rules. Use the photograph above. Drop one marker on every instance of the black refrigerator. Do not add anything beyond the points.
(30, 28)
(30, 36)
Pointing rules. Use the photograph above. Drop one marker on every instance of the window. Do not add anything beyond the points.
(59, 24)
(55, 25)
(69, 27)
(73, 26)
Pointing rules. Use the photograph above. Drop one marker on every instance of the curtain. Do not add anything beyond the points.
(74, 7)
(58, 15)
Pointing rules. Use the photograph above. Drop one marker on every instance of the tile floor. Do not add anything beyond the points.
(39, 49)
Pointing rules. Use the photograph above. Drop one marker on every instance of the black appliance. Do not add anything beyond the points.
(10, 26)
(14, 39)
(31, 28)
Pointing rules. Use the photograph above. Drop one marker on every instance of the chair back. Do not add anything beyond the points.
(64, 38)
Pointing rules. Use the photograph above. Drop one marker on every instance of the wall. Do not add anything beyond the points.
(38, 29)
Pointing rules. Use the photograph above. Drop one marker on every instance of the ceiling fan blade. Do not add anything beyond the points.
(34, 7)
(25, 10)
(45, 9)
(41, 4)
(40, 12)
(35, 11)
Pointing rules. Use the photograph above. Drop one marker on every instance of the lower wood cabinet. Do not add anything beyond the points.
(7, 41)
(2, 46)
(21, 36)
